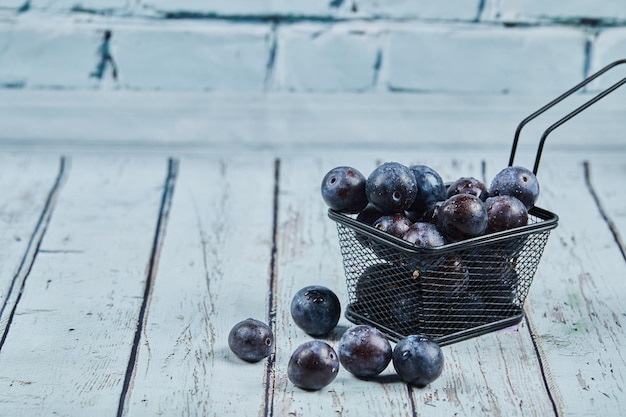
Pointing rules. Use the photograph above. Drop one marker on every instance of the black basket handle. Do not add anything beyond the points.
(570, 115)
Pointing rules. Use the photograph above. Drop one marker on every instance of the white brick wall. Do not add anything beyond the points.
(326, 58)
(485, 46)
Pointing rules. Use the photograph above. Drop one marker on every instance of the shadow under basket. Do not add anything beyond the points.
(450, 293)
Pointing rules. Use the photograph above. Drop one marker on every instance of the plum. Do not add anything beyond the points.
(462, 216)
(313, 365)
(387, 293)
(374, 281)
(369, 215)
(424, 235)
(505, 212)
(343, 190)
(251, 340)
(418, 360)
(364, 351)
(394, 224)
(518, 182)
(430, 188)
(442, 280)
(316, 310)
(391, 188)
(468, 185)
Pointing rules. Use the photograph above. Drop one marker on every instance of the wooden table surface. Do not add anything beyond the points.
(122, 272)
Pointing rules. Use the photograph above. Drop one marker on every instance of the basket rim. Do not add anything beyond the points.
(549, 221)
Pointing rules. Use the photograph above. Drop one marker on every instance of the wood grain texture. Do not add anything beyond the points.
(68, 347)
(29, 184)
(214, 271)
(576, 303)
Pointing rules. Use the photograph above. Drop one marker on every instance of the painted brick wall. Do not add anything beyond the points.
(474, 46)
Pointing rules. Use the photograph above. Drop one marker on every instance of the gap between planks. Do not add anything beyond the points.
(19, 279)
(161, 226)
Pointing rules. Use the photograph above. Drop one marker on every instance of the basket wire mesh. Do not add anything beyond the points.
(449, 294)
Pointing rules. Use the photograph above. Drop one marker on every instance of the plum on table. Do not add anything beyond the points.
(251, 340)
(418, 360)
(313, 365)
(316, 310)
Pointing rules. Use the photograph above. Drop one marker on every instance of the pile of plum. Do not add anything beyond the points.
(413, 203)
(362, 350)
(432, 293)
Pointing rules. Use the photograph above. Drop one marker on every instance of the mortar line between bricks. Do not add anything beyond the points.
(271, 60)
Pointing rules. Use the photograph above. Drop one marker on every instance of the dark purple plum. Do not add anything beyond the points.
(430, 188)
(364, 351)
(394, 224)
(443, 280)
(391, 188)
(505, 212)
(424, 235)
(418, 360)
(316, 310)
(464, 311)
(518, 182)
(387, 294)
(462, 216)
(251, 340)
(442, 283)
(343, 190)
(374, 282)
(313, 365)
(404, 309)
(429, 216)
(369, 215)
(468, 185)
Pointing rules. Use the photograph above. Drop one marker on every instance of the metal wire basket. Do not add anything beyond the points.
(455, 291)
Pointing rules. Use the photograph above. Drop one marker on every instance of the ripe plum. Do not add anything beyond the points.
(251, 340)
(517, 182)
(468, 185)
(424, 235)
(364, 351)
(505, 212)
(462, 216)
(343, 190)
(316, 310)
(430, 188)
(391, 187)
(418, 360)
(313, 365)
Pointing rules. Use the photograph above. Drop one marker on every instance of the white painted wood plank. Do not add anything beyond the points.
(26, 184)
(495, 374)
(576, 302)
(173, 122)
(69, 344)
(214, 271)
(606, 175)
